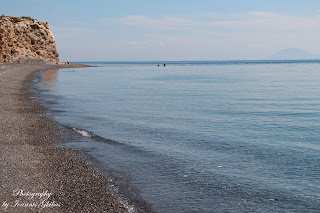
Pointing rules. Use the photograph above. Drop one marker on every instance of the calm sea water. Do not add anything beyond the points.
(232, 136)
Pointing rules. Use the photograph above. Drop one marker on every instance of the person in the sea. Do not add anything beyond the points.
(164, 65)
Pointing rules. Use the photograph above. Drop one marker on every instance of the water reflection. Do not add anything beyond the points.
(50, 78)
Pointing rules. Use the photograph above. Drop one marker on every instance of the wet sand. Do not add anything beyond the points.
(37, 175)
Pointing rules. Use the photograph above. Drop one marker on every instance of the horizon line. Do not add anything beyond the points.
(224, 60)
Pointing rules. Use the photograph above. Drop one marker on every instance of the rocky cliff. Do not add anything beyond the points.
(22, 39)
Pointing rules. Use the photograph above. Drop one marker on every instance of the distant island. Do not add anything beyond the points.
(292, 54)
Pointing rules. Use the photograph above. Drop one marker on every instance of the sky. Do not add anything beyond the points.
(149, 30)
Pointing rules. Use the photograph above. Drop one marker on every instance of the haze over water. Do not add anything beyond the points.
(231, 136)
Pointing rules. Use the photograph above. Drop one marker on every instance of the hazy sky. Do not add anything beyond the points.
(113, 30)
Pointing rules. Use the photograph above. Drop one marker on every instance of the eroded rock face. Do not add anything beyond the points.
(26, 38)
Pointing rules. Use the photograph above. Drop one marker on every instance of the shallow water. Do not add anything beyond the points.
(198, 136)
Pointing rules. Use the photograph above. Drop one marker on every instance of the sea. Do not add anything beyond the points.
(195, 136)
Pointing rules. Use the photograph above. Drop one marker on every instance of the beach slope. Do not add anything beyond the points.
(35, 174)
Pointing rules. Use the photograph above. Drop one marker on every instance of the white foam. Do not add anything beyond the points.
(83, 132)
(122, 200)
(130, 208)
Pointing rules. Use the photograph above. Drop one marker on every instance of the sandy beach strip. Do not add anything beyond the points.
(35, 174)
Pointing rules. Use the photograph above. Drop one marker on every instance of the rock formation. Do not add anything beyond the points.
(25, 39)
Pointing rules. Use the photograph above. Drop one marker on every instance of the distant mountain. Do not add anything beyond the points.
(292, 54)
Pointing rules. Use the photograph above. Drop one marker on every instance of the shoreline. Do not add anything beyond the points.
(32, 164)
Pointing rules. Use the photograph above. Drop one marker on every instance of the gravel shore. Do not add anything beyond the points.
(35, 174)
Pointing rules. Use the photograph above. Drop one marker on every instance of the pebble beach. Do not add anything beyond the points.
(37, 175)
